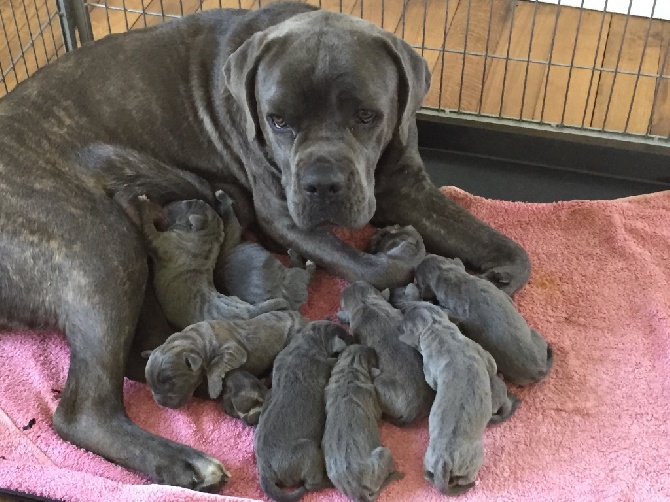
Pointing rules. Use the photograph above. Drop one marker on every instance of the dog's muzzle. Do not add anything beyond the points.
(326, 194)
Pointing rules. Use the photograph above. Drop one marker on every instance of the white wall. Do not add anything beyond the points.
(638, 7)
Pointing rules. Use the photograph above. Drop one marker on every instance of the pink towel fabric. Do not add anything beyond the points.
(597, 429)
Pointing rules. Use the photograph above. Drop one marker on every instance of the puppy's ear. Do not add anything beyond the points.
(337, 345)
(231, 356)
(193, 361)
(197, 222)
(459, 262)
(146, 353)
(239, 74)
(415, 81)
(386, 294)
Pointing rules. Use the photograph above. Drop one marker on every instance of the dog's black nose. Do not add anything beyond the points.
(322, 179)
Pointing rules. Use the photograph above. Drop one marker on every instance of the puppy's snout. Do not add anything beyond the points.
(322, 179)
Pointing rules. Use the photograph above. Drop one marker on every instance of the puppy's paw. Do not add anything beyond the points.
(271, 306)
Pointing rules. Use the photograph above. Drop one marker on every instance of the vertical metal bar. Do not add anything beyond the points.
(639, 68)
(595, 61)
(239, 4)
(82, 21)
(51, 26)
(361, 16)
(403, 15)
(181, 7)
(530, 47)
(486, 57)
(162, 8)
(465, 50)
(444, 47)
(423, 27)
(144, 13)
(125, 14)
(659, 79)
(383, 9)
(39, 25)
(509, 46)
(109, 23)
(67, 26)
(550, 59)
(30, 33)
(616, 68)
(572, 62)
(340, 6)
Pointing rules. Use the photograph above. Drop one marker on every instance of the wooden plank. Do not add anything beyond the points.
(660, 120)
(617, 92)
(487, 22)
(428, 41)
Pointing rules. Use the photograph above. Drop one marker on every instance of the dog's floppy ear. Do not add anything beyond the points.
(414, 81)
(239, 74)
(231, 356)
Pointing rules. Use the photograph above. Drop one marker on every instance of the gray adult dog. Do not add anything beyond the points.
(488, 316)
(288, 437)
(403, 392)
(213, 94)
(356, 462)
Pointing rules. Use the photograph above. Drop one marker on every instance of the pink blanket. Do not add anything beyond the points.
(597, 428)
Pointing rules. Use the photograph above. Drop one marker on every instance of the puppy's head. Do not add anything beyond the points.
(357, 293)
(191, 216)
(173, 372)
(328, 336)
(325, 94)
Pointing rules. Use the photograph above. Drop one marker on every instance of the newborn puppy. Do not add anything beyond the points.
(254, 275)
(288, 437)
(486, 315)
(183, 257)
(460, 371)
(402, 389)
(356, 462)
(243, 396)
(396, 241)
(209, 349)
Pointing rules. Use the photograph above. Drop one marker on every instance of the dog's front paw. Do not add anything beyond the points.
(390, 272)
(194, 470)
(403, 243)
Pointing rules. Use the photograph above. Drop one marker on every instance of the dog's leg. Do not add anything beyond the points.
(406, 196)
(326, 250)
(80, 265)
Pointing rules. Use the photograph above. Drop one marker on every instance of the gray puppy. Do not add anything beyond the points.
(252, 274)
(184, 256)
(209, 349)
(460, 371)
(356, 462)
(243, 396)
(402, 242)
(288, 437)
(488, 316)
(403, 392)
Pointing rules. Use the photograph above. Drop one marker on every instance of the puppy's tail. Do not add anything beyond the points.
(272, 490)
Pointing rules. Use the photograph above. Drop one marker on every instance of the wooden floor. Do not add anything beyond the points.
(522, 59)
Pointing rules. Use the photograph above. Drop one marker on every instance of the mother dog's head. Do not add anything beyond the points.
(324, 94)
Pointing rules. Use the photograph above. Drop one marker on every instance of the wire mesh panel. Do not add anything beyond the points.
(533, 62)
(30, 37)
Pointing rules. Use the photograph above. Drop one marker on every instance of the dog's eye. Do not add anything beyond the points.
(278, 122)
(365, 116)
